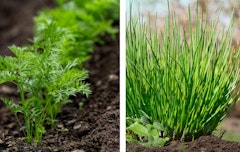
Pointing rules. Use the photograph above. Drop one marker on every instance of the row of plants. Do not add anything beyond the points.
(179, 86)
(51, 69)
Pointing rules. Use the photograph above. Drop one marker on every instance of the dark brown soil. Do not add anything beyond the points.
(16, 21)
(95, 127)
(202, 144)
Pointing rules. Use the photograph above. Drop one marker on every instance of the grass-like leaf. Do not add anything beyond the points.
(184, 83)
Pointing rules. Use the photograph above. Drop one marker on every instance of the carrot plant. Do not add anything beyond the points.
(44, 83)
(50, 70)
(85, 20)
(183, 85)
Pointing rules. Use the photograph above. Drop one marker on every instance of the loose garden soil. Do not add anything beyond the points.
(202, 144)
(95, 126)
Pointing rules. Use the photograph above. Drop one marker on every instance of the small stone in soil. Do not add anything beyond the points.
(71, 122)
(60, 125)
(11, 125)
(99, 83)
(113, 77)
(109, 107)
(77, 126)
(78, 151)
(15, 133)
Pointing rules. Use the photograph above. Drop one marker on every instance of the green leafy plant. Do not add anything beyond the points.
(44, 83)
(86, 21)
(50, 70)
(145, 132)
(184, 83)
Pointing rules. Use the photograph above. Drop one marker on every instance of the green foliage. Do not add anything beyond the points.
(43, 81)
(50, 70)
(144, 132)
(101, 9)
(186, 84)
(86, 21)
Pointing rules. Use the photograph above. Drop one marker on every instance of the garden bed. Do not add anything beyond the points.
(95, 126)
(202, 144)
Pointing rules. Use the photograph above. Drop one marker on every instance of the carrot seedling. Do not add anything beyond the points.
(44, 83)
(50, 70)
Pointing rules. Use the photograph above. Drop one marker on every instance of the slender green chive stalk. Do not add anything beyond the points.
(184, 84)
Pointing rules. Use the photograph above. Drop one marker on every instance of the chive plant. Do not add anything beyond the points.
(185, 84)
(50, 70)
